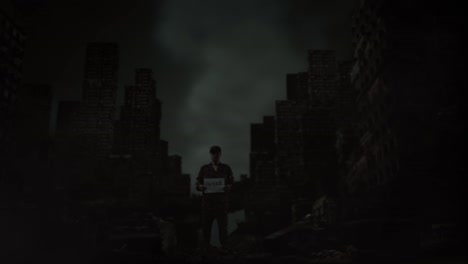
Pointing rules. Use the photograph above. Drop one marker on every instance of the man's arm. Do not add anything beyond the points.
(199, 182)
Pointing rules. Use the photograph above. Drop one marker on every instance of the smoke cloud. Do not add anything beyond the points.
(242, 51)
(245, 50)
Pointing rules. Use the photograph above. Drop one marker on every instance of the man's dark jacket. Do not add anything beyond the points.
(215, 201)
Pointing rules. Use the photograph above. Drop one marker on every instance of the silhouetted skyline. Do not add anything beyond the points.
(342, 119)
(200, 52)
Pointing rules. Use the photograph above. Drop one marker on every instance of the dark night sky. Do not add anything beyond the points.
(219, 65)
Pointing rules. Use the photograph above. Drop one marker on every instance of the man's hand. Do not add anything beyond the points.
(227, 188)
(201, 187)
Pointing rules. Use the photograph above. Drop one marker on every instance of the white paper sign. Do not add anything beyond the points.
(214, 185)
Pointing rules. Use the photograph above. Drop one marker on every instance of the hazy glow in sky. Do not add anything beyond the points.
(246, 52)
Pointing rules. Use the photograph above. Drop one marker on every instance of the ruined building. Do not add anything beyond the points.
(404, 172)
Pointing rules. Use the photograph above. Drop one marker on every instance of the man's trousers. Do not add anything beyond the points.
(209, 213)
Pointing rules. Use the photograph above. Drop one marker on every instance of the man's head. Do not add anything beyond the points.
(215, 152)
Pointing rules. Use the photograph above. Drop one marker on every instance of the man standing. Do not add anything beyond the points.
(215, 204)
